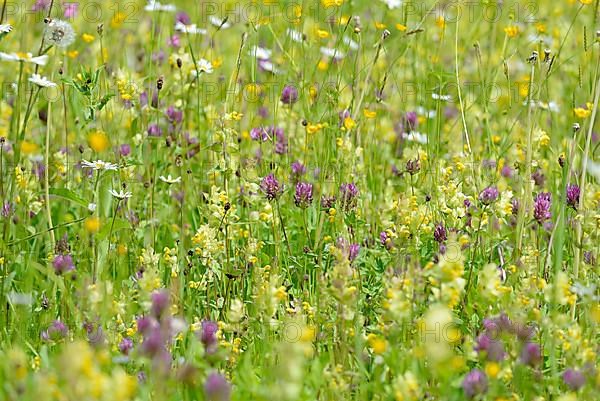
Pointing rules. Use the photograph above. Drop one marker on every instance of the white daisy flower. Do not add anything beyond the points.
(120, 195)
(24, 57)
(296, 36)
(268, 66)
(437, 96)
(41, 81)
(392, 4)
(415, 136)
(156, 6)
(92, 207)
(99, 165)
(205, 66)
(218, 22)
(170, 180)
(5, 28)
(350, 43)
(191, 29)
(60, 33)
(333, 53)
(593, 169)
(260, 53)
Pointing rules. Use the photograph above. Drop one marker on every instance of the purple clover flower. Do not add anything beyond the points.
(474, 383)
(541, 207)
(304, 194)
(574, 379)
(289, 95)
(488, 195)
(348, 196)
(217, 388)
(270, 186)
(573, 194)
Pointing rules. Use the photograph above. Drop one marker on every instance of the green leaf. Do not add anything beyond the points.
(69, 195)
(119, 224)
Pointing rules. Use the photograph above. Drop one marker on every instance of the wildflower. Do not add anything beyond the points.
(183, 17)
(5, 28)
(92, 225)
(411, 119)
(335, 54)
(42, 82)
(154, 130)
(160, 302)
(25, 58)
(6, 209)
(169, 180)
(289, 95)
(488, 195)
(538, 177)
(348, 196)
(98, 141)
(270, 186)
(71, 10)
(573, 194)
(217, 388)
(439, 234)
(511, 31)
(63, 264)
(296, 36)
(304, 195)
(56, 331)
(204, 66)
(125, 346)
(174, 115)
(474, 383)
(541, 207)
(494, 350)
(574, 379)
(281, 144)
(188, 28)
(154, 5)
(582, 112)
(327, 202)
(208, 336)
(125, 149)
(99, 165)
(413, 166)
(120, 195)
(219, 23)
(59, 33)
(531, 354)
(298, 170)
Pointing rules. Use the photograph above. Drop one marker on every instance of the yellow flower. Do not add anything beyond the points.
(440, 22)
(585, 2)
(98, 141)
(380, 25)
(379, 345)
(29, 147)
(401, 27)
(511, 31)
(92, 225)
(322, 34)
(349, 123)
(72, 53)
(492, 369)
(581, 112)
(332, 3)
(87, 38)
(118, 19)
(369, 114)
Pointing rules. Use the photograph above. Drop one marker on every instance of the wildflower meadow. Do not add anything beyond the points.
(299, 200)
